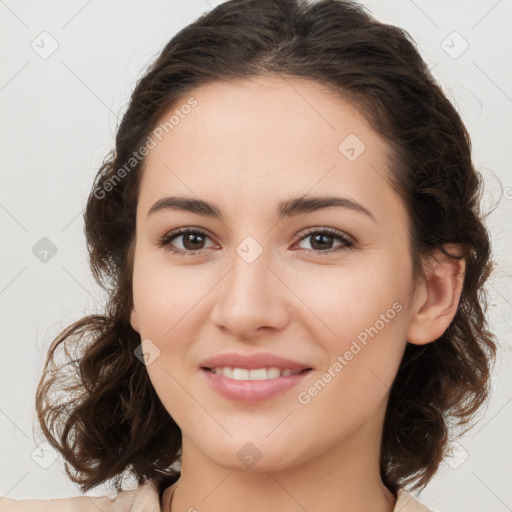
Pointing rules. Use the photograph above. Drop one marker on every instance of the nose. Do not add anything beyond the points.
(252, 299)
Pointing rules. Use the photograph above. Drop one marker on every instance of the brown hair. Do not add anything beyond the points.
(110, 422)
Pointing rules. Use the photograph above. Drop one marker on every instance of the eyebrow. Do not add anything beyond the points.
(288, 208)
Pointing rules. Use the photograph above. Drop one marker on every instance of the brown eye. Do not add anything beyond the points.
(322, 241)
(192, 241)
(185, 241)
(319, 242)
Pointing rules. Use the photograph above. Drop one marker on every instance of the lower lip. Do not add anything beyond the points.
(251, 391)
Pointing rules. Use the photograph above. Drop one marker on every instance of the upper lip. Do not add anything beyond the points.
(251, 362)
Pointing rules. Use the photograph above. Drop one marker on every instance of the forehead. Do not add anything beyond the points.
(263, 139)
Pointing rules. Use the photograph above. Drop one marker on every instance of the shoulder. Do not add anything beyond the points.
(142, 499)
(405, 502)
(74, 504)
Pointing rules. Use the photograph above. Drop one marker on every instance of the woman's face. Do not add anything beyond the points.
(271, 272)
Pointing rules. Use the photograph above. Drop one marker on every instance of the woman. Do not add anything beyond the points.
(289, 231)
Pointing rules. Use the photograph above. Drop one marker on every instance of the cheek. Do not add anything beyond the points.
(168, 305)
(344, 301)
(164, 296)
(361, 324)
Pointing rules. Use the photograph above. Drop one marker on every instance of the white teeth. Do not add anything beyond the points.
(273, 373)
(255, 374)
(258, 374)
(240, 374)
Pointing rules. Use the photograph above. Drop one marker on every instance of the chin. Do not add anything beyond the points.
(258, 456)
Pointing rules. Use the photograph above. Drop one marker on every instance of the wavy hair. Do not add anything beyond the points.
(95, 402)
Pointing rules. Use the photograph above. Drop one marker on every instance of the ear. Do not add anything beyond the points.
(437, 296)
(134, 319)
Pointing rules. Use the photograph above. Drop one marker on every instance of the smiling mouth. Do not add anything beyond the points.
(254, 374)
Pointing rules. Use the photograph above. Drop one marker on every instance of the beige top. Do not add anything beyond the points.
(142, 499)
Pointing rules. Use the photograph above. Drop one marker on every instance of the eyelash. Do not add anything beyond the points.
(165, 240)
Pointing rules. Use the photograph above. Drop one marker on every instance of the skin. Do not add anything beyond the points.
(246, 146)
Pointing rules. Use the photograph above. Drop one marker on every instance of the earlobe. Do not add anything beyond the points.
(438, 297)
(134, 319)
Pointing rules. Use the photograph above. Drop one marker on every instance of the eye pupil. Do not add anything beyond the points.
(198, 240)
(322, 238)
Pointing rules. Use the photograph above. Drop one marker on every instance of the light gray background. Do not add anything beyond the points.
(59, 116)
